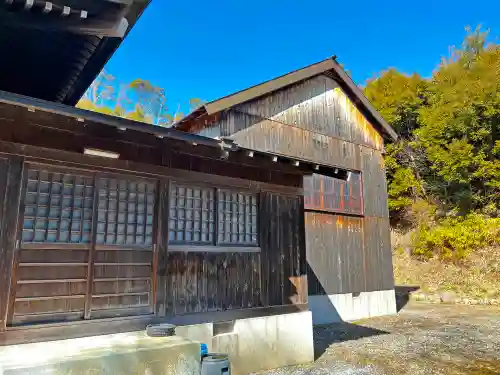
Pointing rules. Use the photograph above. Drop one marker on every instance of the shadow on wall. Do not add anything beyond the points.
(403, 293)
(326, 335)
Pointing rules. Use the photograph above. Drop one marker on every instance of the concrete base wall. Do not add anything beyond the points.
(126, 354)
(335, 308)
(258, 343)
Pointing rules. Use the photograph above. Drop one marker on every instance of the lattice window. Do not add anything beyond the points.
(192, 214)
(194, 210)
(125, 212)
(57, 208)
(237, 218)
(334, 194)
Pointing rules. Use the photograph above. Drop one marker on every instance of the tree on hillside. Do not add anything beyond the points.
(461, 126)
(449, 147)
(138, 100)
(398, 97)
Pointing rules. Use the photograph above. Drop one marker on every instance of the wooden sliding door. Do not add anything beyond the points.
(85, 246)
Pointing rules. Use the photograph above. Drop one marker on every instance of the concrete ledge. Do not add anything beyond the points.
(262, 343)
(336, 308)
(125, 353)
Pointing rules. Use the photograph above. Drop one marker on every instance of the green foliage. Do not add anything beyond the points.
(398, 97)
(455, 238)
(449, 125)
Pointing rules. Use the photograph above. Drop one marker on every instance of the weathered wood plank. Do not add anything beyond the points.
(9, 237)
(283, 249)
(203, 282)
(163, 218)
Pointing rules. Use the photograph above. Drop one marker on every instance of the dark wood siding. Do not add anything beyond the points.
(218, 281)
(203, 282)
(10, 185)
(315, 121)
(283, 251)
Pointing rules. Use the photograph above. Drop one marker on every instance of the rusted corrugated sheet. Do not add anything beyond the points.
(347, 254)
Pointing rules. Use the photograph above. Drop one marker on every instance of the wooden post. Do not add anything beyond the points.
(9, 236)
(160, 281)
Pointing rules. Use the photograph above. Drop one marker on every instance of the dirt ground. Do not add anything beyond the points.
(425, 339)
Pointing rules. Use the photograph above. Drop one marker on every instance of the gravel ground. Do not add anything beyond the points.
(423, 339)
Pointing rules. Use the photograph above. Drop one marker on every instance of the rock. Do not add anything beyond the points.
(447, 297)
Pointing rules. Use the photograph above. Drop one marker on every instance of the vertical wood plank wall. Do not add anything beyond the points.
(314, 120)
(203, 282)
(110, 275)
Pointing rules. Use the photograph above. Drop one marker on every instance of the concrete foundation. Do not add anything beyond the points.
(258, 343)
(125, 354)
(335, 308)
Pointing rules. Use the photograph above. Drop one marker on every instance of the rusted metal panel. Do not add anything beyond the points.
(348, 254)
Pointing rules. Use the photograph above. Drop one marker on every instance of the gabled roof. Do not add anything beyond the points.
(329, 67)
(54, 49)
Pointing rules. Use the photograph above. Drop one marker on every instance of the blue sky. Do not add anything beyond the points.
(208, 49)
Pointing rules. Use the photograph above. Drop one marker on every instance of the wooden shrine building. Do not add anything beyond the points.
(318, 115)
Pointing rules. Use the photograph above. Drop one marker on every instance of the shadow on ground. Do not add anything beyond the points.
(328, 334)
(403, 293)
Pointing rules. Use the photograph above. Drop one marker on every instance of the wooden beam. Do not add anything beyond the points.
(71, 159)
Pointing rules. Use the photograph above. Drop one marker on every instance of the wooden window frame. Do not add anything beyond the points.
(342, 195)
(215, 246)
